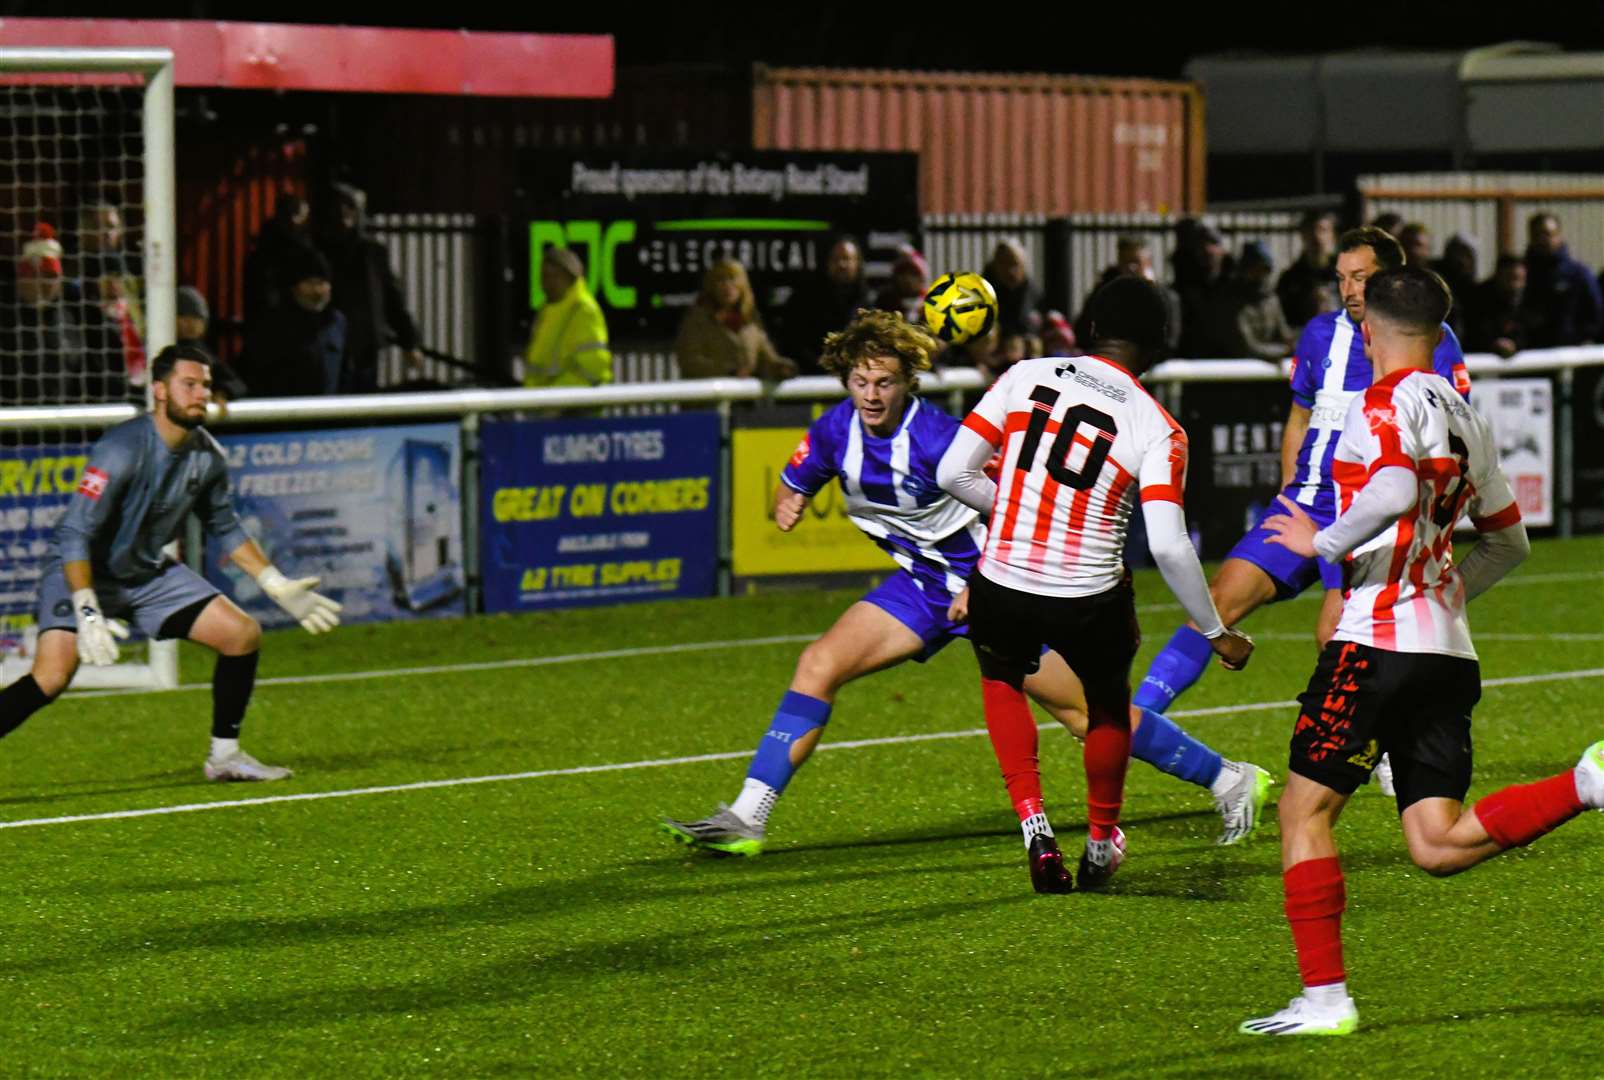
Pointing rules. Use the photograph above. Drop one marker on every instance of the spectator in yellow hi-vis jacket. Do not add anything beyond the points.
(568, 345)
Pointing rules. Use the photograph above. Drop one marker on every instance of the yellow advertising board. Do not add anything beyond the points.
(824, 542)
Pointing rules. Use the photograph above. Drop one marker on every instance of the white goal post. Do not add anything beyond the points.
(138, 185)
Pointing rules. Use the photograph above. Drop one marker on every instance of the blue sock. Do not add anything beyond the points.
(1167, 748)
(1178, 665)
(797, 715)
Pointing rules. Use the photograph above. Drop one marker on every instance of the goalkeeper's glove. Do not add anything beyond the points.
(97, 635)
(316, 613)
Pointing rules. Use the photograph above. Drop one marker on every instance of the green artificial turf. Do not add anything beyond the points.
(543, 926)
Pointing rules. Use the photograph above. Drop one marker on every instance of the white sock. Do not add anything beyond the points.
(1327, 996)
(1099, 851)
(1035, 825)
(1229, 773)
(221, 748)
(754, 802)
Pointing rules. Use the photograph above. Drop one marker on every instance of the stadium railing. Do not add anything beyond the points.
(467, 406)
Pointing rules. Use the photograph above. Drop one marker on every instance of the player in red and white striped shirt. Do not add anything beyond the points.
(1400, 675)
(1079, 439)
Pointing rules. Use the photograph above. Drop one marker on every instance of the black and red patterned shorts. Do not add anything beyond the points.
(1363, 702)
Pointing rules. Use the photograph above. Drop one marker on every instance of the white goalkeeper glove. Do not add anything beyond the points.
(316, 613)
(97, 635)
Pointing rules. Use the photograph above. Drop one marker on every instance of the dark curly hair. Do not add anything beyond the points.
(875, 335)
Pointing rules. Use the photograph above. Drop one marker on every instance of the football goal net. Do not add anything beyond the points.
(87, 227)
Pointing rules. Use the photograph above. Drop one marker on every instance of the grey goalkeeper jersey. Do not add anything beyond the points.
(133, 498)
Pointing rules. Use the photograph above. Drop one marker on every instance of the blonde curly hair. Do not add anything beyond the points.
(876, 335)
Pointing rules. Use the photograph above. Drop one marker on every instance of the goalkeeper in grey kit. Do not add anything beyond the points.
(142, 480)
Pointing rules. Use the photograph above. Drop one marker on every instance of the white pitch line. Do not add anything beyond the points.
(704, 646)
(482, 665)
(658, 763)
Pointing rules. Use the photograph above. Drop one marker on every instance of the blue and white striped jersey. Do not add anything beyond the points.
(1329, 368)
(891, 491)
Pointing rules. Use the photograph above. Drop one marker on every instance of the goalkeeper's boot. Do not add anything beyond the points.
(1099, 861)
(724, 832)
(1303, 1016)
(1383, 775)
(1590, 776)
(1241, 805)
(241, 766)
(1047, 871)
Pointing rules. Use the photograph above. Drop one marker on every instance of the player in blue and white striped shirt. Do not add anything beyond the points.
(1330, 369)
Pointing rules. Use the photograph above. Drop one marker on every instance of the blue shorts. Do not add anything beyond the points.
(924, 611)
(1292, 573)
(148, 606)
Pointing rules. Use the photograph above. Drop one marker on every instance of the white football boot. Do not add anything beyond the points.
(1383, 775)
(1590, 776)
(241, 766)
(1244, 787)
(1303, 1016)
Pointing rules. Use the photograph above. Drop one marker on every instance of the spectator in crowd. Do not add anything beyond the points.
(1495, 320)
(1203, 281)
(45, 358)
(568, 343)
(1058, 335)
(368, 294)
(1415, 239)
(1019, 299)
(1389, 223)
(1011, 349)
(280, 235)
(194, 317)
(722, 335)
(1258, 327)
(1562, 304)
(109, 282)
(299, 350)
(1457, 268)
(980, 353)
(1309, 286)
(1134, 258)
(824, 303)
(910, 277)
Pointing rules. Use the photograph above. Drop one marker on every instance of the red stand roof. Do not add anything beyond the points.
(286, 56)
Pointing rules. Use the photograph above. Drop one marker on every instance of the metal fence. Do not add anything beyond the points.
(437, 260)
(1492, 208)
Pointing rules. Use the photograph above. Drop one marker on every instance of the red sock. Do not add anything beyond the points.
(1315, 899)
(1108, 751)
(1013, 738)
(1521, 813)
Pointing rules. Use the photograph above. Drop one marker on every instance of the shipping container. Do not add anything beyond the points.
(1033, 144)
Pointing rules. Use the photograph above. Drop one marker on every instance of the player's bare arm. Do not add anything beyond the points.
(1292, 435)
(788, 507)
(958, 610)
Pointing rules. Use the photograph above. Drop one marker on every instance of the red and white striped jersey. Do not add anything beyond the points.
(1402, 592)
(1079, 438)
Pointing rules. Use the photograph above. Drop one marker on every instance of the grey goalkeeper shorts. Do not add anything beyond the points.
(147, 606)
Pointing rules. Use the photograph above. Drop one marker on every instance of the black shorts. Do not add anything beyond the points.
(1096, 635)
(1363, 702)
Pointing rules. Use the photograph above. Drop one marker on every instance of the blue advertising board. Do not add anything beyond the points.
(597, 511)
(375, 512)
(35, 485)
